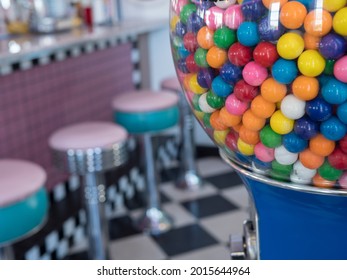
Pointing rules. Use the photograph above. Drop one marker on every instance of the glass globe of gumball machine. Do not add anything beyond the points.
(267, 80)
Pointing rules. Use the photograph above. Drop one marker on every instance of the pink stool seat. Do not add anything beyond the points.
(171, 84)
(18, 180)
(87, 135)
(144, 101)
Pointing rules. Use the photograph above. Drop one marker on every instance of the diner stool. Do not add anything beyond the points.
(189, 178)
(88, 150)
(145, 113)
(23, 202)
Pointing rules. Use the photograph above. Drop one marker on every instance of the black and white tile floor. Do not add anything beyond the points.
(203, 219)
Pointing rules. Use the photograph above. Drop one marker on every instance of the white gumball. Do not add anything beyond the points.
(292, 107)
(303, 172)
(224, 3)
(204, 105)
(298, 180)
(283, 156)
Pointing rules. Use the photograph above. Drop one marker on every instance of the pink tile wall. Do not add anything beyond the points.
(34, 103)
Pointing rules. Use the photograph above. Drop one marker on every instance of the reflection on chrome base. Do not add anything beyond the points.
(189, 181)
(154, 221)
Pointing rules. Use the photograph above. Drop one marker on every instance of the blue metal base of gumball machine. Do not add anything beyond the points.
(294, 222)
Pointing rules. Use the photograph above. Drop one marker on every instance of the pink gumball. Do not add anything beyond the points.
(254, 74)
(233, 16)
(235, 106)
(343, 181)
(214, 17)
(340, 69)
(177, 5)
(264, 153)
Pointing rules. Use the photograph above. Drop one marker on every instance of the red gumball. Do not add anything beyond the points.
(190, 42)
(231, 140)
(191, 64)
(338, 159)
(245, 92)
(265, 54)
(343, 144)
(239, 54)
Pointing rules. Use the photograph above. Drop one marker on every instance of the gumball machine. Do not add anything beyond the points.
(267, 80)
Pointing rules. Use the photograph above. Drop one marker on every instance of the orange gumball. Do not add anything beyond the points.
(310, 160)
(228, 119)
(318, 22)
(269, 3)
(311, 42)
(249, 136)
(262, 108)
(321, 146)
(205, 38)
(305, 88)
(320, 182)
(216, 57)
(272, 91)
(237, 128)
(252, 122)
(293, 14)
(216, 122)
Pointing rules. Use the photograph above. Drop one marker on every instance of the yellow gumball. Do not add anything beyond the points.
(220, 135)
(340, 22)
(311, 63)
(194, 85)
(290, 46)
(199, 115)
(244, 148)
(334, 5)
(280, 123)
(175, 19)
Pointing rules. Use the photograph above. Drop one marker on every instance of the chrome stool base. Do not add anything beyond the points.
(189, 181)
(6, 253)
(154, 221)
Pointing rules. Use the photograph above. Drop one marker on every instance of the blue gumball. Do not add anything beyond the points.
(284, 71)
(221, 88)
(269, 32)
(332, 46)
(318, 109)
(334, 92)
(247, 34)
(294, 143)
(306, 128)
(180, 29)
(333, 129)
(205, 77)
(194, 23)
(230, 73)
(253, 10)
(342, 112)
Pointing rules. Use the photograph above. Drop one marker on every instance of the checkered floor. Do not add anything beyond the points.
(203, 219)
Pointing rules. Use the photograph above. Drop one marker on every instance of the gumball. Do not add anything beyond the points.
(328, 172)
(231, 140)
(186, 11)
(239, 54)
(224, 3)
(284, 71)
(194, 23)
(283, 156)
(253, 10)
(200, 57)
(224, 37)
(306, 128)
(219, 136)
(322, 146)
(195, 102)
(320, 182)
(280, 123)
(329, 67)
(332, 46)
(205, 38)
(290, 45)
(194, 85)
(270, 138)
(182, 65)
(220, 87)
(260, 167)
(265, 54)
(269, 3)
(230, 73)
(249, 136)
(334, 5)
(180, 29)
(178, 5)
(340, 69)
(311, 42)
(294, 143)
(214, 17)
(250, 121)
(244, 91)
(318, 23)
(216, 57)
(333, 129)
(183, 52)
(281, 168)
(235, 106)
(245, 148)
(343, 144)
(262, 108)
(216, 123)
(190, 42)
(298, 180)
(305, 88)
(293, 14)
(303, 172)
(206, 120)
(228, 119)
(247, 34)
(254, 74)
(340, 22)
(273, 91)
(214, 101)
(343, 181)
(311, 63)
(292, 107)
(318, 109)
(204, 105)
(205, 77)
(191, 64)
(342, 112)
(264, 153)
(338, 159)
(334, 91)
(310, 159)
(233, 16)
(268, 32)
